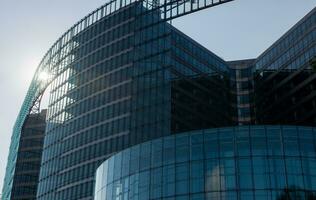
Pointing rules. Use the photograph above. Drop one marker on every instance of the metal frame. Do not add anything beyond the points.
(168, 10)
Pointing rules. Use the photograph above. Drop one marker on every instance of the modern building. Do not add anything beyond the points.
(241, 75)
(28, 164)
(134, 93)
(125, 87)
(263, 162)
(243, 162)
(285, 78)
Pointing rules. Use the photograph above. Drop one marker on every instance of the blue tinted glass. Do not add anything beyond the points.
(243, 141)
(126, 162)
(228, 182)
(226, 141)
(211, 146)
(134, 159)
(134, 186)
(145, 156)
(290, 141)
(184, 197)
(168, 180)
(197, 197)
(307, 142)
(169, 150)
(117, 166)
(246, 195)
(156, 183)
(156, 157)
(258, 141)
(274, 141)
(243, 176)
(110, 173)
(182, 148)
(227, 166)
(229, 195)
(197, 152)
(213, 195)
(144, 182)
(197, 176)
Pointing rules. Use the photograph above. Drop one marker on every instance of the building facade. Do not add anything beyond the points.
(243, 162)
(136, 94)
(125, 87)
(285, 78)
(28, 165)
(242, 86)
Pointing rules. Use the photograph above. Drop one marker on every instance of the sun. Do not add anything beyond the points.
(43, 76)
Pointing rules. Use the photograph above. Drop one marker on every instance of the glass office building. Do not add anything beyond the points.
(25, 179)
(285, 78)
(245, 162)
(241, 74)
(242, 162)
(128, 87)
(123, 86)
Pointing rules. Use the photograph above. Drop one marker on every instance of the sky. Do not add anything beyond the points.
(237, 30)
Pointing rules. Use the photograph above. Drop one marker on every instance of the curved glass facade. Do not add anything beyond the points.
(123, 76)
(121, 85)
(109, 35)
(246, 162)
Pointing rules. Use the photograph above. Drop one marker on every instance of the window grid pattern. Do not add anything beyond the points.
(246, 162)
(117, 92)
(285, 80)
(89, 108)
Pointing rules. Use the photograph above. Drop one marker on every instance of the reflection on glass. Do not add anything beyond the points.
(230, 166)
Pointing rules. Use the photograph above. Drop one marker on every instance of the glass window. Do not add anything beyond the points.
(242, 141)
(182, 148)
(134, 186)
(212, 173)
(156, 183)
(182, 178)
(156, 156)
(258, 141)
(125, 162)
(169, 150)
(197, 151)
(134, 163)
(307, 144)
(226, 141)
(117, 166)
(277, 173)
(291, 146)
(197, 176)
(229, 195)
(245, 173)
(246, 195)
(145, 156)
(144, 182)
(197, 197)
(168, 180)
(211, 147)
(110, 170)
(213, 195)
(274, 141)
(231, 176)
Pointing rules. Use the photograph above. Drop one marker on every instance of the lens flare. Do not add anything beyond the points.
(43, 76)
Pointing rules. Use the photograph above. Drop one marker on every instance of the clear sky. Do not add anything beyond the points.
(237, 30)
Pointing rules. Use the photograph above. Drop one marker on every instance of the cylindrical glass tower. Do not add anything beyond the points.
(246, 163)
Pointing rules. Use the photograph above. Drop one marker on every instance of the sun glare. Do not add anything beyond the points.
(43, 76)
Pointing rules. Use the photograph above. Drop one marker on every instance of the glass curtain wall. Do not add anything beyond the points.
(246, 162)
(121, 88)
